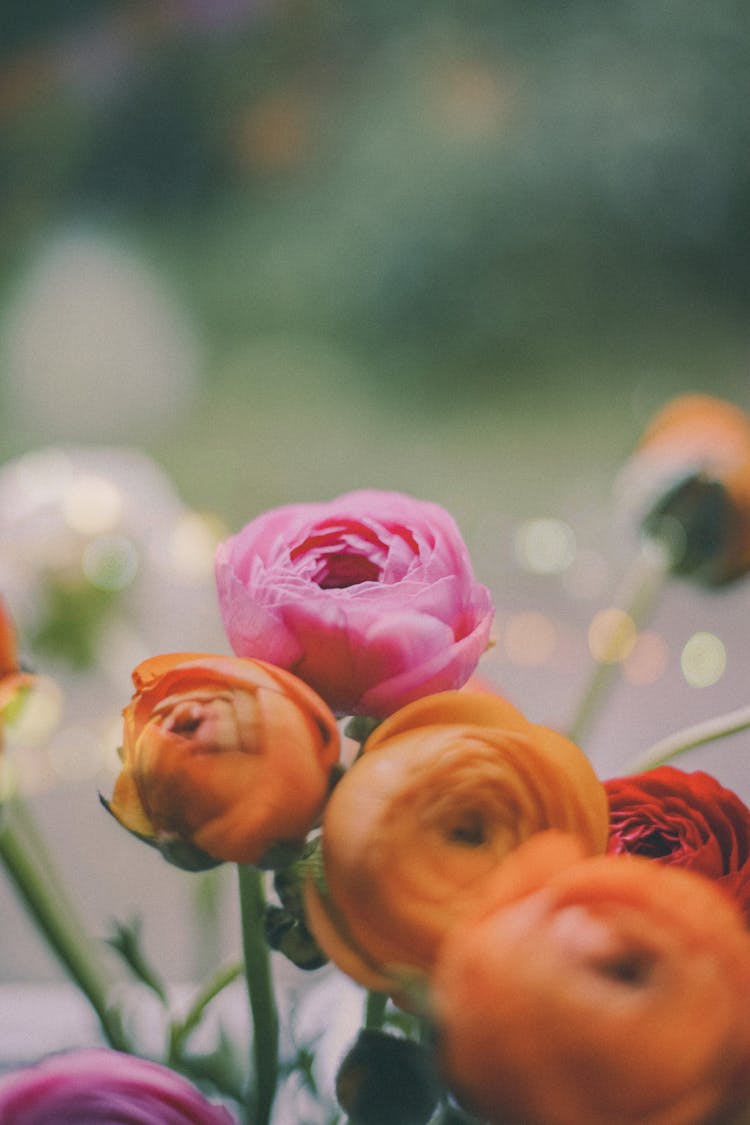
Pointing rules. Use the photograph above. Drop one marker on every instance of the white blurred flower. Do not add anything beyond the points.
(94, 345)
(103, 531)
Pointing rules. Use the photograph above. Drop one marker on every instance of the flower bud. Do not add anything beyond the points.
(688, 484)
(385, 1080)
(224, 758)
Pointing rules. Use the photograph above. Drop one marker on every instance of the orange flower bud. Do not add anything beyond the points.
(587, 991)
(446, 787)
(689, 482)
(223, 758)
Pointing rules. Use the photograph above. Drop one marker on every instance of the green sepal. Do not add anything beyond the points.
(286, 925)
(290, 936)
(281, 855)
(360, 727)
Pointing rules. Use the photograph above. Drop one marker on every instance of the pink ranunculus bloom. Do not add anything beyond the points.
(99, 1087)
(370, 598)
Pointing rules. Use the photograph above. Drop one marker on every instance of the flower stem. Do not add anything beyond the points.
(687, 739)
(33, 843)
(61, 931)
(261, 995)
(635, 597)
(375, 1005)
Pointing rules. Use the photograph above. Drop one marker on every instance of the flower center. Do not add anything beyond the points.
(633, 969)
(342, 570)
(339, 554)
(655, 844)
(469, 829)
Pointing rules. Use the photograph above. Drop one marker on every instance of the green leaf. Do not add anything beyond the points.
(182, 1029)
(126, 940)
(219, 1069)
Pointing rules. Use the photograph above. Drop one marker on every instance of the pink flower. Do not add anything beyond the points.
(370, 598)
(98, 1087)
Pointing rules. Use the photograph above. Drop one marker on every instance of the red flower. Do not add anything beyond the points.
(685, 819)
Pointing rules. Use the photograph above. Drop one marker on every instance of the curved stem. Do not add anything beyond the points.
(261, 995)
(28, 834)
(63, 935)
(697, 735)
(635, 597)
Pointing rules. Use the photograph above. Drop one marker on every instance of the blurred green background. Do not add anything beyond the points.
(344, 243)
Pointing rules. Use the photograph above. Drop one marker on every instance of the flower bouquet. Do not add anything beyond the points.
(534, 945)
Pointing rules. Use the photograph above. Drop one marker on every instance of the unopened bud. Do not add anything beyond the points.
(386, 1080)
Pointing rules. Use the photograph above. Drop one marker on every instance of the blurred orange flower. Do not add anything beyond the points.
(446, 787)
(587, 991)
(224, 758)
(12, 679)
(689, 482)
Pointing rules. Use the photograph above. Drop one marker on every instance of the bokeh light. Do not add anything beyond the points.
(110, 562)
(545, 546)
(611, 636)
(703, 660)
(647, 661)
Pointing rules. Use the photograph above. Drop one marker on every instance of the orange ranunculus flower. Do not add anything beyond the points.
(689, 484)
(223, 758)
(607, 990)
(445, 788)
(12, 679)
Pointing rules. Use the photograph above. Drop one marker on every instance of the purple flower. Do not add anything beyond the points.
(103, 1087)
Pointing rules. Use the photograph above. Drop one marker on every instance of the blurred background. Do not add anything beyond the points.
(258, 251)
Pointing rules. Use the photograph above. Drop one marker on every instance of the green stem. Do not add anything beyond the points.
(375, 1004)
(30, 838)
(208, 891)
(675, 744)
(67, 941)
(261, 995)
(635, 597)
